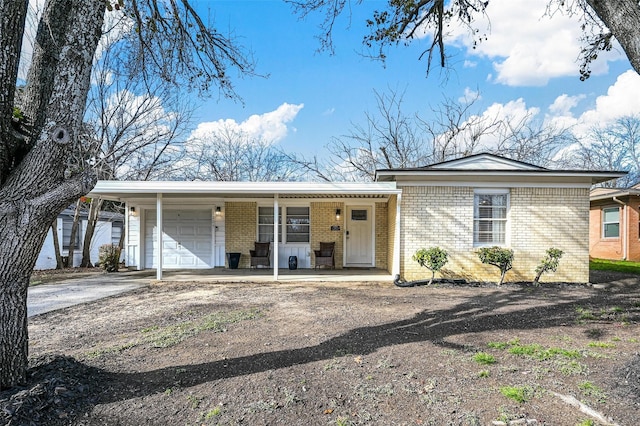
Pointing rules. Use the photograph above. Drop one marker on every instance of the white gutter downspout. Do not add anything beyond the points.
(159, 232)
(625, 239)
(275, 237)
(395, 267)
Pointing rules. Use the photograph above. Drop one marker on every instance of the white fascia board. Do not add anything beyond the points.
(122, 188)
(495, 184)
(456, 176)
(614, 194)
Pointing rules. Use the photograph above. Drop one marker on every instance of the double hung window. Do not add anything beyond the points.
(296, 228)
(490, 218)
(611, 222)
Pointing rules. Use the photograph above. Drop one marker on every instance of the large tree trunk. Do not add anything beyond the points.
(39, 185)
(94, 210)
(622, 17)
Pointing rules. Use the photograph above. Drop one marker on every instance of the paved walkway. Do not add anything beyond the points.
(49, 297)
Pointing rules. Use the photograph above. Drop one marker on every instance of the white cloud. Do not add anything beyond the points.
(270, 126)
(564, 103)
(329, 111)
(621, 99)
(469, 96)
(527, 46)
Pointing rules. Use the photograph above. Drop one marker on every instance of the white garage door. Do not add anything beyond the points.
(187, 239)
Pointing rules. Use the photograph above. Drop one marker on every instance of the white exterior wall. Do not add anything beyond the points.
(47, 257)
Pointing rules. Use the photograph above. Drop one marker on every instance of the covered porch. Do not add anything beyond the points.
(176, 226)
(265, 275)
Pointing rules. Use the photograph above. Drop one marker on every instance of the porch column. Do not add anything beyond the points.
(395, 268)
(159, 232)
(275, 236)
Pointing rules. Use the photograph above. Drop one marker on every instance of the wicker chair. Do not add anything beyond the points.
(260, 256)
(324, 256)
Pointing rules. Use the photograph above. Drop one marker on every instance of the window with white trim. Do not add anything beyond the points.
(490, 218)
(296, 229)
(297, 225)
(611, 222)
(265, 224)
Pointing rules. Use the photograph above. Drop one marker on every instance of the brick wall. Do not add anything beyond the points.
(539, 218)
(240, 230)
(550, 217)
(612, 248)
(634, 230)
(382, 236)
(391, 229)
(322, 217)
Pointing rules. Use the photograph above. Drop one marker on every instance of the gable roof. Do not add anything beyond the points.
(493, 170)
(482, 161)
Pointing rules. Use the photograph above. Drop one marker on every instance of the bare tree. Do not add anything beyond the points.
(136, 126)
(533, 141)
(392, 138)
(615, 146)
(229, 154)
(40, 142)
(401, 21)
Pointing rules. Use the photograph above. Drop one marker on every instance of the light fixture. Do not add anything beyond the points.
(218, 211)
(132, 211)
(338, 212)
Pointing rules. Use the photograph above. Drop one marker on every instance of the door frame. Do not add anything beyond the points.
(372, 208)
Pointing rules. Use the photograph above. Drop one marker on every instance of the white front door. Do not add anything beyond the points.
(187, 239)
(359, 236)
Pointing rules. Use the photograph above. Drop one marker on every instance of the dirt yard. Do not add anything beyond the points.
(338, 354)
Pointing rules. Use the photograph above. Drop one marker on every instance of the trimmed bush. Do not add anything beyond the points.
(497, 256)
(109, 257)
(433, 259)
(549, 263)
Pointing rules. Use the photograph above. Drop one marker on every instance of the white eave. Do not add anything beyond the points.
(127, 190)
(613, 193)
(525, 177)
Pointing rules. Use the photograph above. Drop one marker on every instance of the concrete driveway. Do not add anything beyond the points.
(49, 297)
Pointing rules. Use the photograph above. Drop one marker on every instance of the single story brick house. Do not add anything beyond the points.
(459, 205)
(614, 223)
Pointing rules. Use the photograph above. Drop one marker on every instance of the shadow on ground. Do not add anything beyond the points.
(62, 390)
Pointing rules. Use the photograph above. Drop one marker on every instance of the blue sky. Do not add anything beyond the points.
(529, 64)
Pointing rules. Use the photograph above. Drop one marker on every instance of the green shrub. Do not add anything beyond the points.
(517, 393)
(433, 259)
(484, 358)
(499, 257)
(549, 263)
(109, 257)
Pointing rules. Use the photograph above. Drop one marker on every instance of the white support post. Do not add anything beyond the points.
(159, 232)
(395, 268)
(275, 236)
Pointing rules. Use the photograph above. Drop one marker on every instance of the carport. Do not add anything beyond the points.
(172, 225)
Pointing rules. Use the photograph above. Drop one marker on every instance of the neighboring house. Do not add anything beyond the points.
(107, 231)
(614, 231)
(459, 205)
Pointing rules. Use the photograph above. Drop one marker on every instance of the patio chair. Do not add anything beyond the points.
(324, 256)
(260, 256)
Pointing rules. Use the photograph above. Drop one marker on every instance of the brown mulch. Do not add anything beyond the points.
(339, 354)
